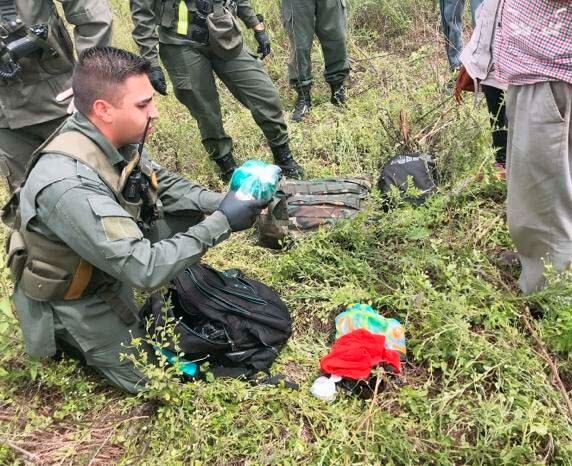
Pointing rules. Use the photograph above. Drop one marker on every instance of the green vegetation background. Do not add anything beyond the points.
(474, 390)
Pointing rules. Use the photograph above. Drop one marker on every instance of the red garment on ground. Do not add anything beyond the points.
(354, 355)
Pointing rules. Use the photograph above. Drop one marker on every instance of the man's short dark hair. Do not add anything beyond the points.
(99, 73)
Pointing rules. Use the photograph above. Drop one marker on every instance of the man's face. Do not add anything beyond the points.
(135, 106)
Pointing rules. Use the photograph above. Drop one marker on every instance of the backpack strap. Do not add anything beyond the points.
(328, 186)
(86, 151)
(344, 200)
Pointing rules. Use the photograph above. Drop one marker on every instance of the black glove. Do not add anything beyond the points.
(263, 43)
(157, 78)
(240, 214)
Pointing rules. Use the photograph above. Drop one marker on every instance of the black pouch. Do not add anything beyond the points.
(17, 255)
(42, 282)
(198, 29)
(204, 7)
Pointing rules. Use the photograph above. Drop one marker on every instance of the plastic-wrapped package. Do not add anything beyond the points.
(189, 368)
(255, 179)
(324, 388)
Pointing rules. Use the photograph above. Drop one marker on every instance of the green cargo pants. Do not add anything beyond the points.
(18, 145)
(106, 359)
(328, 20)
(88, 329)
(192, 69)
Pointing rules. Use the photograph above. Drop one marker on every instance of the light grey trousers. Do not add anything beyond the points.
(539, 178)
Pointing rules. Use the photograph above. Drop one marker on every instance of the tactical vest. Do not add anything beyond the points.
(47, 270)
(54, 55)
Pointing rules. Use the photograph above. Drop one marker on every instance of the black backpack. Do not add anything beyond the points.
(237, 324)
(419, 167)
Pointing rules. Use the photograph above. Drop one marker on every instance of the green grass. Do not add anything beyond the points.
(474, 390)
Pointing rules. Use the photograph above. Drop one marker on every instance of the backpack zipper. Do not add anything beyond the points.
(251, 299)
(230, 306)
(202, 337)
(255, 300)
(227, 305)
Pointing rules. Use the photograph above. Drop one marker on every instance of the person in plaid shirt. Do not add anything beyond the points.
(534, 56)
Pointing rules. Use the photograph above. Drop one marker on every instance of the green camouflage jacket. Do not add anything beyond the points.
(66, 201)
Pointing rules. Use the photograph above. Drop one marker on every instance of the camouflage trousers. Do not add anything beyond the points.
(327, 19)
(192, 69)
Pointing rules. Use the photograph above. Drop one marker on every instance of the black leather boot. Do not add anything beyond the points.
(285, 160)
(227, 166)
(303, 103)
(339, 97)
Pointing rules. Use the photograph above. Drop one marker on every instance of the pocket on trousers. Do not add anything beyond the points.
(552, 102)
(286, 12)
(178, 68)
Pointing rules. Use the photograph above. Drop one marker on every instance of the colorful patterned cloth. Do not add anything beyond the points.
(355, 354)
(534, 41)
(363, 316)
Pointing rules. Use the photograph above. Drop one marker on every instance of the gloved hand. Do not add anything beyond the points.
(263, 43)
(464, 83)
(240, 214)
(158, 81)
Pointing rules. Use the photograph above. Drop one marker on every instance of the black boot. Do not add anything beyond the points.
(284, 159)
(303, 103)
(338, 94)
(227, 166)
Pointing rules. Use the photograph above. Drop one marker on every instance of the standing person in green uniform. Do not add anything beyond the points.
(187, 50)
(93, 219)
(327, 19)
(36, 64)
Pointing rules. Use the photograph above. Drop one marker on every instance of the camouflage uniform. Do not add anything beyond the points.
(65, 203)
(29, 112)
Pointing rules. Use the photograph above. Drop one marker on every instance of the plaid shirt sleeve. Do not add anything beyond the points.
(534, 41)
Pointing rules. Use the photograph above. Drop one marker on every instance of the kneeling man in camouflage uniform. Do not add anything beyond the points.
(94, 216)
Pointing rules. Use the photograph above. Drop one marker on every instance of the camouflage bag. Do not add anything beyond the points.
(302, 206)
